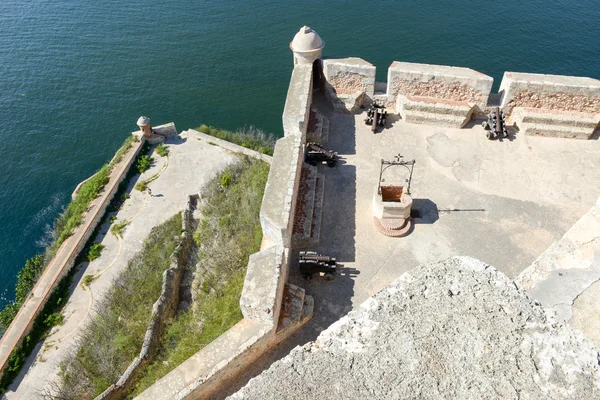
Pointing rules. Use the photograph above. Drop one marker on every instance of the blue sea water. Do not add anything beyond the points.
(76, 74)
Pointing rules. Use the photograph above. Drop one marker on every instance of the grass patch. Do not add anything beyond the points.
(118, 229)
(88, 279)
(117, 331)
(144, 163)
(226, 236)
(251, 138)
(95, 251)
(162, 150)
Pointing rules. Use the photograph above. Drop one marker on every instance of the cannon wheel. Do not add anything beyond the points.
(485, 125)
(329, 276)
(489, 135)
(331, 164)
(306, 276)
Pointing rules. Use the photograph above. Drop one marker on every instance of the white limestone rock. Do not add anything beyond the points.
(454, 329)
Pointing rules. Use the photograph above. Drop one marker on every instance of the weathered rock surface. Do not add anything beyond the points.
(454, 329)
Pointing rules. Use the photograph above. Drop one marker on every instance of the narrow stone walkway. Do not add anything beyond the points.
(191, 164)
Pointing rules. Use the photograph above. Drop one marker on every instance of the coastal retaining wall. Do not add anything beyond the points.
(349, 81)
(203, 374)
(163, 309)
(64, 259)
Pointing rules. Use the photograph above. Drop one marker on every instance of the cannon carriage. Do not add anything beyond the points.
(316, 154)
(495, 124)
(311, 263)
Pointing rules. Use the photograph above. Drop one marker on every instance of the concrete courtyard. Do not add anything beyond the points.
(502, 202)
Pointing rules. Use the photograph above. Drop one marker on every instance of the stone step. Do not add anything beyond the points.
(555, 118)
(296, 307)
(305, 204)
(446, 120)
(557, 131)
(393, 227)
(435, 106)
(315, 228)
(318, 127)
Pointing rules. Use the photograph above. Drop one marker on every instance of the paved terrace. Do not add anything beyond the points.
(191, 163)
(503, 202)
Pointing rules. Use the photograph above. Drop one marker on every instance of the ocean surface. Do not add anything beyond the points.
(75, 75)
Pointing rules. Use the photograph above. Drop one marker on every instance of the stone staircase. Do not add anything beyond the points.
(297, 307)
(551, 123)
(318, 127)
(432, 111)
(393, 227)
(309, 207)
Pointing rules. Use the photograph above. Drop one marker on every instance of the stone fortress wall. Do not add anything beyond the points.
(420, 93)
(538, 104)
(265, 291)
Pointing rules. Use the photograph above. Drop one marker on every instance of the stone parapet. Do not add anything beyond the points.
(279, 199)
(571, 104)
(298, 100)
(550, 92)
(348, 82)
(259, 299)
(439, 82)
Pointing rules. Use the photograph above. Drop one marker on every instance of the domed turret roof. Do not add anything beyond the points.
(143, 121)
(306, 40)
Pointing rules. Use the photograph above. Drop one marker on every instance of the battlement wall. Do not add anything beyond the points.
(439, 82)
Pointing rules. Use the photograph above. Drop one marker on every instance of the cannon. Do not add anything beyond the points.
(495, 124)
(311, 263)
(376, 116)
(315, 154)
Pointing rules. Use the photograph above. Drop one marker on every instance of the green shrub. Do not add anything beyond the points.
(88, 279)
(117, 229)
(162, 150)
(144, 163)
(249, 137)
(225, 179)
(95, 251)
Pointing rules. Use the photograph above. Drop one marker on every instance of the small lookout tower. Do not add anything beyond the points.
(307, 46)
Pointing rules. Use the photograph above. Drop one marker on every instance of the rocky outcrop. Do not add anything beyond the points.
(453, 329)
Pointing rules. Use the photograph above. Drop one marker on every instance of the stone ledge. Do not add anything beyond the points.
(231, 146)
